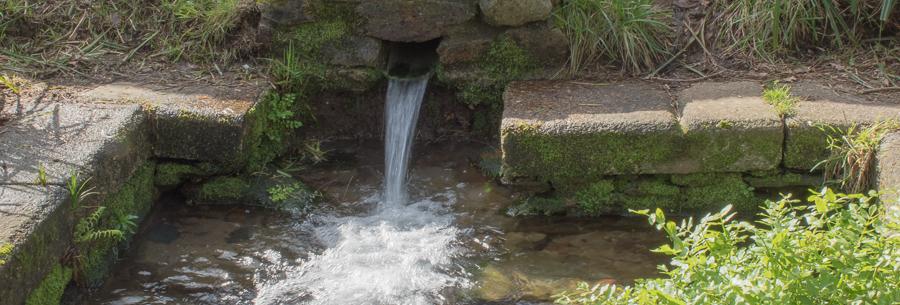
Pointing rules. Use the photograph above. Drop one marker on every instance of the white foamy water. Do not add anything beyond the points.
(396, 255)
(399, 254)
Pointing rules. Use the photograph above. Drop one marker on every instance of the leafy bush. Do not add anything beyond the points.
(632, 32)
(836, 250)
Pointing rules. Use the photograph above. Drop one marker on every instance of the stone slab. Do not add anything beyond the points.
(191, 124)
(729, 128)
(413, 21)
(514, 12)
(888, 173)
(806, 143)
(36, 222)
(103, 142)
(561, 131)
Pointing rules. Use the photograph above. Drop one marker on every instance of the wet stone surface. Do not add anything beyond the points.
(237, 255)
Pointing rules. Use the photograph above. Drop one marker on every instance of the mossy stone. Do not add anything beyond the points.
(51, 289)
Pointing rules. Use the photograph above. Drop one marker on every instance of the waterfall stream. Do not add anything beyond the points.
(404, 98)
(402, 252)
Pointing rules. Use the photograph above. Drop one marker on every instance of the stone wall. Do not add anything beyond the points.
(581, 137)
(466, 30)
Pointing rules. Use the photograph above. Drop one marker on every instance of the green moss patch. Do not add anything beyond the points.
(679, 193)
(5, 252)
(101, 233)
(572, 158)
(173, 174)
(51, 289)
(224, 189)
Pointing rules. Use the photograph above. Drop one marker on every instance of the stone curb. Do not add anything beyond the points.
(563, 131)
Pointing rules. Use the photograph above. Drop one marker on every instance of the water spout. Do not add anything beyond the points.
(404, 98)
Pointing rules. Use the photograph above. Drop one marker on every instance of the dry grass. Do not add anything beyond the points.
(42, 38)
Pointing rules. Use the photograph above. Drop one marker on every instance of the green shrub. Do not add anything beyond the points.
(836, 250)
(634, 33)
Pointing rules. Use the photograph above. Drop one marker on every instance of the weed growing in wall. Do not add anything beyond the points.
(851, 163)
(779, 96)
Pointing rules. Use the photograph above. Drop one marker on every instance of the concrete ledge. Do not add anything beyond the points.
(188, 123)
(558, 131)
(806, 143)
(103, 142)
(729, 128)
(36, 221)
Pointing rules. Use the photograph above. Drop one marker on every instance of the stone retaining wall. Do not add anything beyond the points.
(106, 135)
(569, 134)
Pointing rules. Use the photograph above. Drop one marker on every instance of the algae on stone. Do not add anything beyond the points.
(50, 290)
(223, 189)
(122, 211)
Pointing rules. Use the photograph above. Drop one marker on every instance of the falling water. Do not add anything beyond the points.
(404, 98)
(402, 252)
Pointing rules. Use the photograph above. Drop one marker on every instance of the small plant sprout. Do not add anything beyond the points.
(10, 84)
(78, 190)
(852, 159)
(779, 96)
(88, 229)
(314, 152)
(41, 178)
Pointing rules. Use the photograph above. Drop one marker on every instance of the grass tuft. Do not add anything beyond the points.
(780, 97)
(634, 33)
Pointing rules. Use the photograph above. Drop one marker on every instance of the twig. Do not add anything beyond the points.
(671, 59)
(689, 80)
(873, 90)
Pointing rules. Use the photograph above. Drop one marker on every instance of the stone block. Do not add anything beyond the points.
(36, 222)
(102, 142)
(806, 143)
(514, 12)
(413, 21)
(355, 51)
(561, 132)
(466, 43)
(729, 128)
(547, 44)
(206, 124)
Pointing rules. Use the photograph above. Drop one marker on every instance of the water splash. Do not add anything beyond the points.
(404, 98)
(399, 253)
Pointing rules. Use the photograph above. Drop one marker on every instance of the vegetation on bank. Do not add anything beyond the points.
(837, 249)
(641, 37)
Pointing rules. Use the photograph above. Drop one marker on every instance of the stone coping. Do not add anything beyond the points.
(565, 131)
(103, 133)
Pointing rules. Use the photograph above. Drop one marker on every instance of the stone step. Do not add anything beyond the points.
(103, 142)
(565, 131)
(104, 133)
(199, 123)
